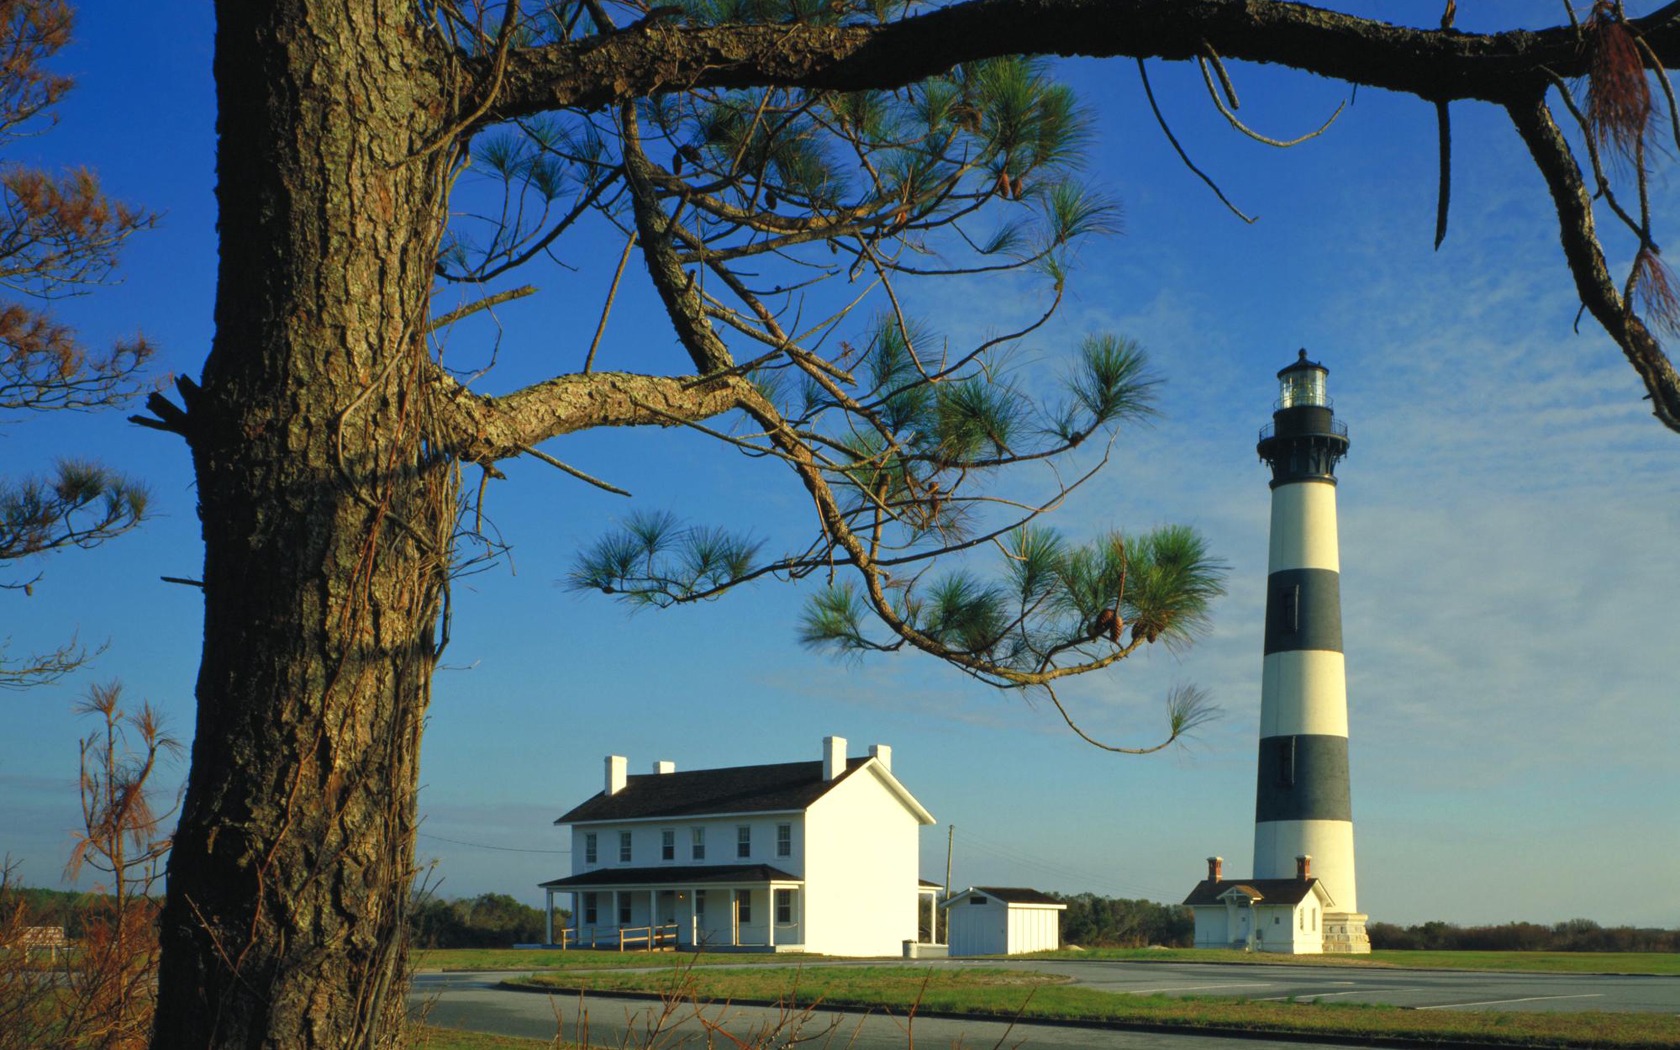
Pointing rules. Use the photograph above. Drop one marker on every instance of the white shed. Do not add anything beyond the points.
(1002, 920)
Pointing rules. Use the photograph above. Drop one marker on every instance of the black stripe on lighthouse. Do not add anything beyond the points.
(1303, 610)
(1303, 777)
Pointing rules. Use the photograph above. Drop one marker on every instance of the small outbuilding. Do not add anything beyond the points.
(1266, 915)
(1002, 920)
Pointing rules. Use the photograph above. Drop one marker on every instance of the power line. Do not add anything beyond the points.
(481, 845)
(1041, 865)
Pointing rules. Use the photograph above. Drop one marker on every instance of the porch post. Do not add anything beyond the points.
(548, 916)
(770, 916)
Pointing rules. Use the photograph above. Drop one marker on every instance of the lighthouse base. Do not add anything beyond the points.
(1344, 933)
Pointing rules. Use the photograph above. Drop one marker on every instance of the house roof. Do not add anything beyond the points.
(1265, 891)
(784, 787)
(1008, 895)
(687, 874)
(780, 787)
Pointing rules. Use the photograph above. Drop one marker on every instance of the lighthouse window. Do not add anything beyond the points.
(1289, 608)
(1286, 762)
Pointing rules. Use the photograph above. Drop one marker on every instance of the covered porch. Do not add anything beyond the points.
(747, 907)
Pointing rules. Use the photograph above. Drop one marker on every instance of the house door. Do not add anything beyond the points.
(667, 908)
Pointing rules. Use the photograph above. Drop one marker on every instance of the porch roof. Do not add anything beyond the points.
(674, 876)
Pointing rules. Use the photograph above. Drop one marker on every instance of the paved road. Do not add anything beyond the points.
(472, 1001)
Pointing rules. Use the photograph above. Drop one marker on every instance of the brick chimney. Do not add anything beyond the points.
(882, 754)
(664, 766)
(1303, 866)
(834, 757)
(618, 772)
(1215, 866)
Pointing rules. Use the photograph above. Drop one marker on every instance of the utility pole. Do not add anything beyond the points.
(950, 841)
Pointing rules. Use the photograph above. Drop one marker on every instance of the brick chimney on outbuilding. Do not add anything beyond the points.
(1303, 866)
(1215, 866)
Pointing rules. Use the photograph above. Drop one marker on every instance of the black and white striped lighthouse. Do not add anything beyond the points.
(1303, 805)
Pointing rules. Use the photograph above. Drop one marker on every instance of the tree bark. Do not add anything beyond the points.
(326, 519)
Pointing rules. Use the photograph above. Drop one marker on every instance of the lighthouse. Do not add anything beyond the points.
(1302, 897)
(1303, 804)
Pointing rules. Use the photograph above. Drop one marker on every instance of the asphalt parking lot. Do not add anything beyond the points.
(1416, 989)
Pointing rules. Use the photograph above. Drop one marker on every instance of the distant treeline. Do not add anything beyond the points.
(1091, 921)
(490, 920)
(1576, 935)
(67, 908)
(496, 920)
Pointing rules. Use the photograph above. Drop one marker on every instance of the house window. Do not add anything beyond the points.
(590, 851)
(699, 846)
(668, 844)
(1303, 920)
(624, 847)
(784, 840)
(743, 906)
(1315, 921)
(784, 906)
(591, 908)
(624, 909)
(977, 899)
(743, 841)
(1277, 920)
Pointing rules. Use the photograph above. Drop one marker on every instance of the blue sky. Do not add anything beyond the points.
(1508, 521)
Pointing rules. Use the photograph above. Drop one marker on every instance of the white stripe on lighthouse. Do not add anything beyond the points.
(1306, 692)
(1330, 843)
(1304, 527)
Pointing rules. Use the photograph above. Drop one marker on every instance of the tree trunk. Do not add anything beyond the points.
(327, 524)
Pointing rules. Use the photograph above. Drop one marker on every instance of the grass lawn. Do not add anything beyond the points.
(1010, 993)
(431, 1037)
(1538, 962)
(1535, 962)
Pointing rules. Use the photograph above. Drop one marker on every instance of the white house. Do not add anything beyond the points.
(995, 920)
(796, 856)
(1267, 915)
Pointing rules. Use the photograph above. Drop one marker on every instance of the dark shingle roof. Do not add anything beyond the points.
(685, 875)
(1006, 894)
(1017, 895)
(1268, 891)
(784, 786)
